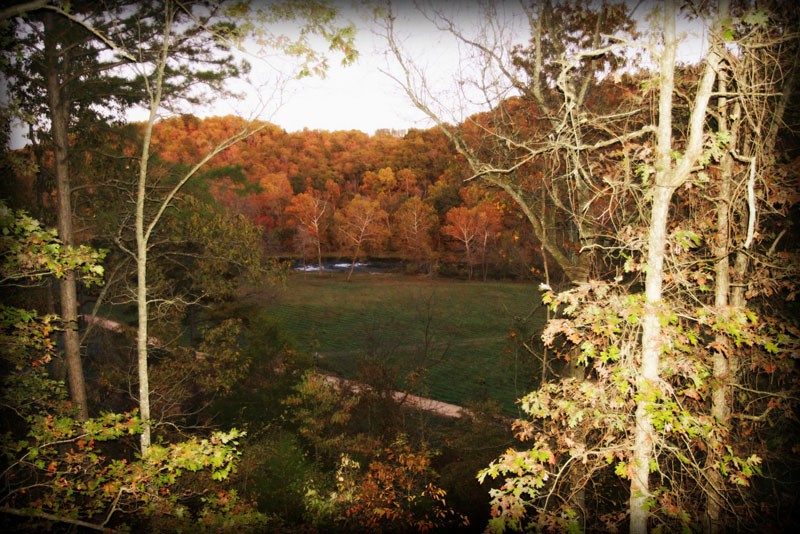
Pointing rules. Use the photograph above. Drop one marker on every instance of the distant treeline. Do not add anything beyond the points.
(349, 194)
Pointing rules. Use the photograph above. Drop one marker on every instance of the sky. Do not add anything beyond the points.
(355, 97)
(360, 96)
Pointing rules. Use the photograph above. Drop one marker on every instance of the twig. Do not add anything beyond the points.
(56, 518)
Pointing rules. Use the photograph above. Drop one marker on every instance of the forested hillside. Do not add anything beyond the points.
(589, 321)
(313, 192)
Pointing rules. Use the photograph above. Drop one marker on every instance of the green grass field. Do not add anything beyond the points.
(384, 318)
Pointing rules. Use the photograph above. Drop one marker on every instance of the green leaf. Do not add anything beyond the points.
(727, 35)
(621, 470)
(653, 467)
(755, 17)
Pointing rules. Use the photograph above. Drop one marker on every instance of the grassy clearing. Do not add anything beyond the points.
(390, 319)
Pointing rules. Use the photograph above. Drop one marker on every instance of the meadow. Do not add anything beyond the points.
(443, 338)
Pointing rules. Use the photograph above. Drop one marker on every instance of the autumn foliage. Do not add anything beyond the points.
(345, 194)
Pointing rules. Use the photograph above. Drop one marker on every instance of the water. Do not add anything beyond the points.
(378, 266)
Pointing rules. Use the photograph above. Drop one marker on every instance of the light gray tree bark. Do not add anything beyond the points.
(669, 176)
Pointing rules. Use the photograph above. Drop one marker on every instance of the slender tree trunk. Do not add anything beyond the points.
(725, 360)
(59, 116)
(469, 261)
(667, 179)
(720, 394)
(485, 245)
(142, 234)
(353, 263)
(141, 331)
(644, 437)
(647, 381)
(319, 255)
(546, 268)
(142, 239)
(722, 366)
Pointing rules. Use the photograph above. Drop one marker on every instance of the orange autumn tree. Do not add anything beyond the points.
(266, 208)
(413, 225)
(185, 138)
(382, 181)
(309, 213)
(490, 223)
(383, 186)
(408, 182)
(361, 226)
(463, 227)
(475, 229)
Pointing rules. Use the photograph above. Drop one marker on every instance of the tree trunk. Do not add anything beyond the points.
(722, 368)
(141, 286)
(143, 234)
(469, 261)
(667, 179)
(651, 353)
(662, 189)
(59, 117)
(319, 255)
(721, 373)
(353, 263)
(483, 255)
(141, 335)
(574, 268)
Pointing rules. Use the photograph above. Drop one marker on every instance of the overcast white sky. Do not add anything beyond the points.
(360, 96)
